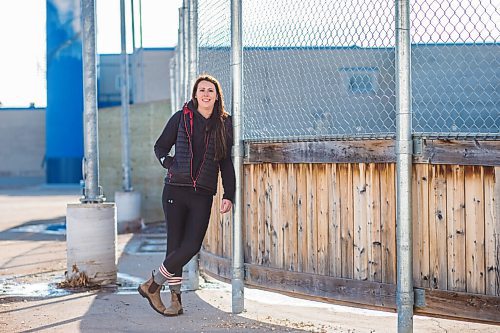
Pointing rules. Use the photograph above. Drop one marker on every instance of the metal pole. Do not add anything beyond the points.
(134, 59)
(404, 147)
(133, 23)
(237, 278)
(140, 24)
(185, 53)
(193, 44)
(178, 83)
(91, 159)
(180, 63)
(172, 85)
(125, 101)
(140, 83)
(191, 64)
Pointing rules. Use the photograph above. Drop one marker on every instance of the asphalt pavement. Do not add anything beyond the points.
(33, 262)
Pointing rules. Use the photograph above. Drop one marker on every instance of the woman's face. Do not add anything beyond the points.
(206, 95)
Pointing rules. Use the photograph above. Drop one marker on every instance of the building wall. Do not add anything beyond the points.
(22, 133)
(154, 75)
(22, 152)
(308, 92)
(108, 75)
(149, 76)
(146, 123)
(456, 88)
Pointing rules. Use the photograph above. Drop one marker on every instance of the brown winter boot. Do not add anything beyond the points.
(153, 296)
(175, 307)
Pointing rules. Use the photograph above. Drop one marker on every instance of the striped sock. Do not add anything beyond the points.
(175, 288)
(174, 281)
(162, 275)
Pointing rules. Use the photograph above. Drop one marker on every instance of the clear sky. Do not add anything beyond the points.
(22, 40)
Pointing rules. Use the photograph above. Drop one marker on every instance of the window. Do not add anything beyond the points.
(361, 83)
(360, 80)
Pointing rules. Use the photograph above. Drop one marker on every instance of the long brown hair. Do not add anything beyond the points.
(219, 115)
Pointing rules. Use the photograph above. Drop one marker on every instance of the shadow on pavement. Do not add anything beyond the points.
(127, 311)
(132, 313)
(32, 261)
(20, 182)
(37, 230)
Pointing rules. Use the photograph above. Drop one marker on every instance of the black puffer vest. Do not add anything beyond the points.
(181, 172)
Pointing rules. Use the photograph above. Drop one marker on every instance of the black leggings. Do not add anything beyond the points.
(187, 214)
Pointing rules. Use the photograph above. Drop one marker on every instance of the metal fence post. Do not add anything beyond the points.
(140, 78)
(124, 102)
(173, 93)
(193, 44)
(133, 58)
(180, 55)
(91, 159)
(238, 276)
(404, 169)
(92, 223)
(185, 51)
(191, 68)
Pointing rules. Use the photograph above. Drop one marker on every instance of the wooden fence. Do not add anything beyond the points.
(328, 230)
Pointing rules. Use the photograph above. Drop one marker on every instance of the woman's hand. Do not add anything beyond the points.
(225, 206)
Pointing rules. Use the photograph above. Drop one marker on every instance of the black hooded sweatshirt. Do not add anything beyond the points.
(201, 127)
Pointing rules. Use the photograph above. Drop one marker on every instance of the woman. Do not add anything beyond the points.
(202, 135)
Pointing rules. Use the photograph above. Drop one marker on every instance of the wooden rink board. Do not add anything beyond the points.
(338, 220)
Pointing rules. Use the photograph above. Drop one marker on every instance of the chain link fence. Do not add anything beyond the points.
(456, 68)
(214, 43)
(326, 69)
(316, 69)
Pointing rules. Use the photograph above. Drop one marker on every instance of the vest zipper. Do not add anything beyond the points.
(207, 139)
